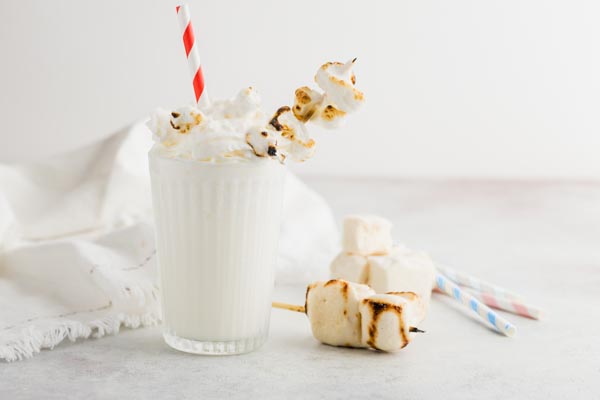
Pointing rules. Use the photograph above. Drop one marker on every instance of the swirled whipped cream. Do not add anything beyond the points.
(238, 129)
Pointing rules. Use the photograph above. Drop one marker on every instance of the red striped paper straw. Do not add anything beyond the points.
(191, 49)
(501, 302)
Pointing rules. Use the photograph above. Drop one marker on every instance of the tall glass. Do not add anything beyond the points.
(217, 228)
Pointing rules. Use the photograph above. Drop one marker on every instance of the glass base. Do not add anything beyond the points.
(214, 348)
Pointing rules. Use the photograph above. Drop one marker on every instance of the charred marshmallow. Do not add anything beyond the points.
(388, 320)
(332, 308)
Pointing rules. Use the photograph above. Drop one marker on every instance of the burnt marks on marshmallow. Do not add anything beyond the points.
(185, 119)
(262, 143)
(306, 103)
(274, 122)
(377, 308)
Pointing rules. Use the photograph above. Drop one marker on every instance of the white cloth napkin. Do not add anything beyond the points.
(77, 255)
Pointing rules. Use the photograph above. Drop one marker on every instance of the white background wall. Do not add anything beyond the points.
(455, 88)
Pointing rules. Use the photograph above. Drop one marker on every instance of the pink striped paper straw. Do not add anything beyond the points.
(191, 50)
(476, 283)
(507, 304)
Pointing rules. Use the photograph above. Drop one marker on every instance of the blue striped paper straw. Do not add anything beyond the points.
(483, 311)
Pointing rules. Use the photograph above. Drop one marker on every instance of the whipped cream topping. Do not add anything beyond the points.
(238, 129)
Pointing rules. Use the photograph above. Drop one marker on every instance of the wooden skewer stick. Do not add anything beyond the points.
(301, 309)
(290, 307)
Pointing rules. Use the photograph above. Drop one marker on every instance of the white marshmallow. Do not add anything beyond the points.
(294, 140)
(163, 131)
(337, 80)
(184, 119)
(402, 270)
(351, 267)
(306, 103)
(332, 308)
(387, 319)
(310, 105)
(328, 115)
(366, 235)
(262, 142)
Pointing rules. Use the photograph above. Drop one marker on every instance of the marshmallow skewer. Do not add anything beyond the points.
(289, 307)
(476, 283)
(302, 309)
(507, 304)
(487, 314)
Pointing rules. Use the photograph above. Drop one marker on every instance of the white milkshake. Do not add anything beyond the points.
(217, 182)
(217, 231)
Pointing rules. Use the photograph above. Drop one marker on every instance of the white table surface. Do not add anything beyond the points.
(539, 239)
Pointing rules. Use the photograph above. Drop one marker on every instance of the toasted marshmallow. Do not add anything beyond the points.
(294, 141)
(387, 320)
(328, 115)
(306, 103)
(350, 267)
(217, 131)
(163, 131)
(420, 304)
(310, 105)
(366, 235)
(184, 119)
(333, 310)
(262, 142)
(337, 81)
(402, 270)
